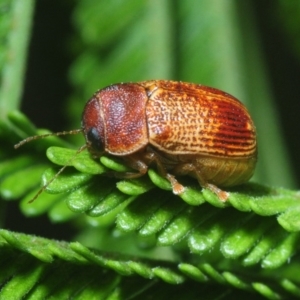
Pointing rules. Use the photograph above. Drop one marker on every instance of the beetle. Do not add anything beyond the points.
(183, 128)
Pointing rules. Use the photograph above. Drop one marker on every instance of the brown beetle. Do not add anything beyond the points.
(184, 128)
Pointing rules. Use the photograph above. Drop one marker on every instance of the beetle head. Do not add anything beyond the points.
(93, 127)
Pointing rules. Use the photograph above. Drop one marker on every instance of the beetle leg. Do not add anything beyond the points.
(222, 195)
(189, 168)
(140, 162)
(136, 163)
(176, 186)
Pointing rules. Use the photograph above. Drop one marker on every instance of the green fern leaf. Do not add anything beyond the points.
(38, 267)
(242, 228)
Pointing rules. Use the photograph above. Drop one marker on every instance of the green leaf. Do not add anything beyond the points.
(112, 201)
(134, 216)
(25, 130)
(272, 205)
(183, 223)
(83, 161)
(60, 212)
(43, 204)
(264, 245)
(266, 291)
(168, 276)
(67, 181)
(236, 281)
(167, 210)
(289, 220)
(212, 272)
(135, 187)
(22, 123)
(159, 181)
(291, 287)
(20, 182)
(238, 242)
(282, 253)
(114, 164)
(14, 164)
(193, 272)
(209, 234)
(23, 282)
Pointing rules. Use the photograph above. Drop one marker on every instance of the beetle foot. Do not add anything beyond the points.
(176, 186)
(222, 195)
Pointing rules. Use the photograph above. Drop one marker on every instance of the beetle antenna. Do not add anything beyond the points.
(36, 137)
(44, 187)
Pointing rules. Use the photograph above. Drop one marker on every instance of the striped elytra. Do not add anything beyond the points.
(183, 128)
(185, 118)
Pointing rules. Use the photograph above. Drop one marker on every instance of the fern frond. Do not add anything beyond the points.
(38, 267)
(243, 228)
(26, 169)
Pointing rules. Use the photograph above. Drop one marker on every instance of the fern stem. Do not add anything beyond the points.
(12, 76)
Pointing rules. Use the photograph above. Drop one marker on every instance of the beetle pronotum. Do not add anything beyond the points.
(184, 128)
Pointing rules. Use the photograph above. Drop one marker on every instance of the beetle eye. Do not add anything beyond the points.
(94, 139)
